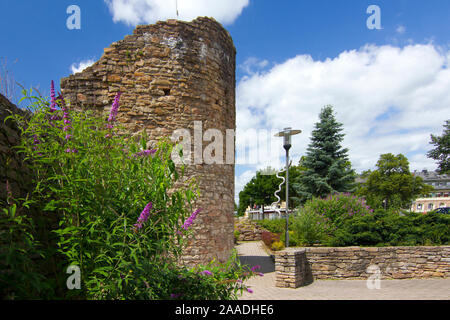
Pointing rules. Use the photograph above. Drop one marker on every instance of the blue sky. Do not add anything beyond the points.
(389, 87)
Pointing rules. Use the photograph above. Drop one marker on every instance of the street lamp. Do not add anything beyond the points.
(286, 134)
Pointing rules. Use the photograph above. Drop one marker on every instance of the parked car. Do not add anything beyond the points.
(445, 210)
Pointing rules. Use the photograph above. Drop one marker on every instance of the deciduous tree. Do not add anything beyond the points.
(441, 152)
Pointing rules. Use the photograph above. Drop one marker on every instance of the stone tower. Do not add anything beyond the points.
(172, 74)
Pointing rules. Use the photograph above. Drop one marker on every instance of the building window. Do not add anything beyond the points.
(441, 205)
(430, 206)
(419, 206)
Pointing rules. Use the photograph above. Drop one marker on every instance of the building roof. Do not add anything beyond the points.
(431, 176)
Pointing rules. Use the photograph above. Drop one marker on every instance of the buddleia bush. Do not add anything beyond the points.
(121, 212)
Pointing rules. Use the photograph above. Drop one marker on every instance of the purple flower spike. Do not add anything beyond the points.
(53, 97)
(145, 153)
(206, 272)
(144, 216)
(190, 220)
(114, 108)
(257, 267)
(249, 290)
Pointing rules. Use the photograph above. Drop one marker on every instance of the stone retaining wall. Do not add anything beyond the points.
(296, 266)
(290, 268)
(248, 231)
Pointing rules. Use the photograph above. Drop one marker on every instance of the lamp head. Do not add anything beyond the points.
(286, 134)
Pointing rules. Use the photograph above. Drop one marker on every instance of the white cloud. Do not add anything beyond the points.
(133, 12)
(253, 63)
(389, 99)
(75, 68)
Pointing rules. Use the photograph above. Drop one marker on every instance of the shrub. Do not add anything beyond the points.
(310, 227)
(386, 228)
(119, 216)
(277, 246)
(274, 226)
(338, 207)
(268, 238)
(20, 278)
(236, 236)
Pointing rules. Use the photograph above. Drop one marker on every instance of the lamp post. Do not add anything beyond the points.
(286, 134)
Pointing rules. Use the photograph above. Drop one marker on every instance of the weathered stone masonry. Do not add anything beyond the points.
(12, 168)
(296, 267)
(171, 74)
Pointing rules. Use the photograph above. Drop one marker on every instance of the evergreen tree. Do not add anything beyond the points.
(442, 151)
(328, 169)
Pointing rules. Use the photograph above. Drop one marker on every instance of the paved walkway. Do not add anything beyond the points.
(253, 253)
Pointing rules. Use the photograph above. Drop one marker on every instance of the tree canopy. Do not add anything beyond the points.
(392, 185)
(261, 188)
(441, 152)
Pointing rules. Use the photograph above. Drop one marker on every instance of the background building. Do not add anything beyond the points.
(439, 197)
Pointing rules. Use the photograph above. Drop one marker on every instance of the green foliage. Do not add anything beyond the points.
(441, 152)
(337, 208)
(387, 228)
(275, 225)
(328, 169)
(345, 220)
(95, 183)
(277, 246)
(309, 228)
(19, 276)
(261, 188)
(214, 281)
(236, 235)
(269, 238)
(392, 186)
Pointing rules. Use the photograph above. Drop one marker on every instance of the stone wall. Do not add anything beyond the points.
(290, 268)
(354, 263)
(171, 74)
(12, 168)
(248, 230)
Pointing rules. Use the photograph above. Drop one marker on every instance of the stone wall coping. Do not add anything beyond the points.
(318, 249)
(298, 250)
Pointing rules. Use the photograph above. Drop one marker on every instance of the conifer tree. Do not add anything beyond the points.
(328, 169)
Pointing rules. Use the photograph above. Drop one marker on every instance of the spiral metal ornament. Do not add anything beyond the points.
(274, 205)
